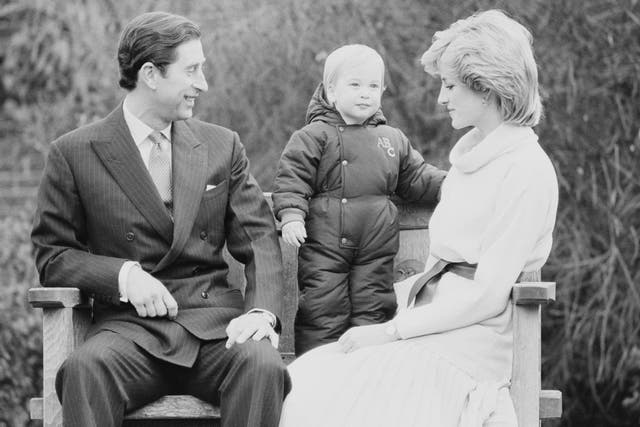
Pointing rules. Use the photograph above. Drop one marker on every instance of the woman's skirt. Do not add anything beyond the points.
(401, 384)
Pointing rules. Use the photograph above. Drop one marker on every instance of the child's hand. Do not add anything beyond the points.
(294, 233)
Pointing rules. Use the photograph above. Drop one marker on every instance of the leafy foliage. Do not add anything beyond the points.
(593, 113)
(58, 71)
(20, 336)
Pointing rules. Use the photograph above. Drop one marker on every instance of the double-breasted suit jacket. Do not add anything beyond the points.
(98, 207)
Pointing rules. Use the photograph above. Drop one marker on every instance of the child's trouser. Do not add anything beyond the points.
(341, 288)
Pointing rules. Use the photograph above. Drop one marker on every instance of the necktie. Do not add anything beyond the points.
(160, 165)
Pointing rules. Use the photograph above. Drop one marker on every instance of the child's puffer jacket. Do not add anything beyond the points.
(343, 175)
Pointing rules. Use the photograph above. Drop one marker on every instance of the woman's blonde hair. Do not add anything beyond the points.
(491, 53)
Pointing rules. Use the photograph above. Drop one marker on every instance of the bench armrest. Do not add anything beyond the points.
(528, 298)
(65, 321)
(57, 298)
(533, 293)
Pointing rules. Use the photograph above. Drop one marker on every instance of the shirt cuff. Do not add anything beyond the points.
(122, 278)
(268, 314)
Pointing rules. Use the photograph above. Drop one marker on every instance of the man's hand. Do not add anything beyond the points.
(294, 233)
(149, 296)
(251, 325)
(364, 336)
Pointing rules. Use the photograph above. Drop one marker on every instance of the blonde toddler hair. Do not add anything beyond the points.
(345, 57)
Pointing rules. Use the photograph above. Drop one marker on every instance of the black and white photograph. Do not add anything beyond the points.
(320, 213)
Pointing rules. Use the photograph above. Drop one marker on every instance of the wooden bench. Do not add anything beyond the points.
(66, 319)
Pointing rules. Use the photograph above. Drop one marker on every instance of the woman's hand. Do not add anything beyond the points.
(364, 336)
(294, 233)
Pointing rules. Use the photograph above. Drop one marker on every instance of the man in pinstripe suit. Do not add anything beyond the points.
(135, 210)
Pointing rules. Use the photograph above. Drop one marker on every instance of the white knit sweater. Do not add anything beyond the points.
(497, 210)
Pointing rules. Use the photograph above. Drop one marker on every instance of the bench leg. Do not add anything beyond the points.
(63, 329)
(525, 388)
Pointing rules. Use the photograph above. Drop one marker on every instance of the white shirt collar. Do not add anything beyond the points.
(139, 130)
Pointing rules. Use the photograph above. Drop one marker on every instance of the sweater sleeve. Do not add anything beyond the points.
(296, 174)
(524, 213)
(417, 179)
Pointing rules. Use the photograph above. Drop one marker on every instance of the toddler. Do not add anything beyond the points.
(332, 195)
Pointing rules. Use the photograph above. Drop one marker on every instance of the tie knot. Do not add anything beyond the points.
(157, 137)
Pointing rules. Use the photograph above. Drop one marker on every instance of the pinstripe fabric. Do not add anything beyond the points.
(111, 375)
(94, 375)
(98, 206)
(246, 381)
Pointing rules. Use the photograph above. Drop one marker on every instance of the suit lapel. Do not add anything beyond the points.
(189, 164)
(121, 157)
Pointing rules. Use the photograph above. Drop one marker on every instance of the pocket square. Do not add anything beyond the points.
(209, 187)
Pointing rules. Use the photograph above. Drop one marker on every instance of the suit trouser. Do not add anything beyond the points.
(110, 375)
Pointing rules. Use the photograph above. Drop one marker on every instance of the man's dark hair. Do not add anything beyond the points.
(152, 37)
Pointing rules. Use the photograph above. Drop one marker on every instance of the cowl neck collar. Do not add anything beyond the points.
(472, 153)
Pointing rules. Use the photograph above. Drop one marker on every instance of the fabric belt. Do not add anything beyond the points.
(424, 288)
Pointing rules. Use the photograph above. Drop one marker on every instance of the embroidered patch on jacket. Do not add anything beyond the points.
(385, 144)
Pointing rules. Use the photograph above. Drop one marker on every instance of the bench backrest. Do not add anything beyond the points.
(413, 251)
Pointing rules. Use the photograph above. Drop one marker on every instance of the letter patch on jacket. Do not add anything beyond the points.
(385, 144)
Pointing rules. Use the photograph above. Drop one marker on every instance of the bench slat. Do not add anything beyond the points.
(176, 407)
(167, 407)
(189, 407)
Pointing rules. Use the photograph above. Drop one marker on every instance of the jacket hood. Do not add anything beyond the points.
(319, 110)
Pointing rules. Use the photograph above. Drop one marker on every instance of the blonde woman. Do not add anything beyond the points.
(445, 358)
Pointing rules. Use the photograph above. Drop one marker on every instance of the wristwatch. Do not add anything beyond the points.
(270, 318)
(391, 330)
